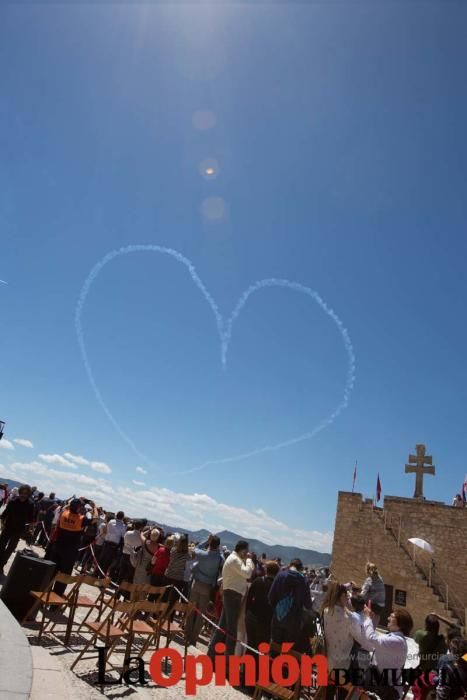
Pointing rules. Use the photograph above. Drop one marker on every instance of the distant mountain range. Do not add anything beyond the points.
(229, 539)
(11, 484)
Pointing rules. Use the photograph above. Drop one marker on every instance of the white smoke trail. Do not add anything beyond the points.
(96, 270)
(225, 333)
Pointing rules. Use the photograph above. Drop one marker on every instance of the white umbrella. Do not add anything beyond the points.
(422, 544)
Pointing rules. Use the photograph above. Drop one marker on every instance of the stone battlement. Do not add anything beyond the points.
(364, 533)
(396, 499)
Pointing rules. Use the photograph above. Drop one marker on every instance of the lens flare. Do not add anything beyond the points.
(203, 120)
(209, 168)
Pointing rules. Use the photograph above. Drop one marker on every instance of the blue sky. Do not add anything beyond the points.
(336, 138)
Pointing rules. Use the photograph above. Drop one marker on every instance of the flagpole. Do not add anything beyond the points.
(378, 491)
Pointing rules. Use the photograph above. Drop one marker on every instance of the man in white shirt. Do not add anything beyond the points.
(237, 569)
(97, 547)
(131, 540)
(390, 649)
(116, 529)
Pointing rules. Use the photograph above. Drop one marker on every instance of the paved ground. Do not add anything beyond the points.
(15, 653)
(49, 680)
(53, 680)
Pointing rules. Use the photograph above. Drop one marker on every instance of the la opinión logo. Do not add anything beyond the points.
(284, 669)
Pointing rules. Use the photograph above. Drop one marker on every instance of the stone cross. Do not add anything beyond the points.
(419, 464)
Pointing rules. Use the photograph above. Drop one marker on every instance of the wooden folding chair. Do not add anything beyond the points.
(353, 692)
(348, 692)
(278, 692)
(157, 615)
(206, 627)
(148, 628)
(155, 593)
(110, 629)
(91, 604)
(177, 626)
(131, 592)
(124, 591)
(141, 591)
(51, 604)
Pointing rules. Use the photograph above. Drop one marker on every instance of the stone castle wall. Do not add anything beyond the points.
(360, 535)
(445, 528)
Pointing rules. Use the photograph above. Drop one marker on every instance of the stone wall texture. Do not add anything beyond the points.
(363, 533)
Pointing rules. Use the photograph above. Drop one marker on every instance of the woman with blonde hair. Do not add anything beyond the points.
(374, 592)
(337, 627)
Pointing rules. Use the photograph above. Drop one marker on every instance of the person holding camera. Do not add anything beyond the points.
(207, 561)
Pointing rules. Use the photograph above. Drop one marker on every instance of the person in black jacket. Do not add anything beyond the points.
(259, 611)
(14, 519)
(452, 682)
(45, 513)
(432, 644)
(288, 595)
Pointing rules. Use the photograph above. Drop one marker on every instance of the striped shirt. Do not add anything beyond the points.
(176, 567)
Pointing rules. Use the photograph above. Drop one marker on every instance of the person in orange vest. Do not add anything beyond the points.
(67, 540)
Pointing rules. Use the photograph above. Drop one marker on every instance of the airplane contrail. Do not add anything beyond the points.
(224, 328)
(3, 282)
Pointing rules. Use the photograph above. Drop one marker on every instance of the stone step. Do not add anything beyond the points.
(404, 559)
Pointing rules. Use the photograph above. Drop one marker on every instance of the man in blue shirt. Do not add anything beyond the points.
(205, 573)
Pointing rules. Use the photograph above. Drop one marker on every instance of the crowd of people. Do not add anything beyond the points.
(252, 598)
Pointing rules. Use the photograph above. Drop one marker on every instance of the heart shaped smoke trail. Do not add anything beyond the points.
(224, 330)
